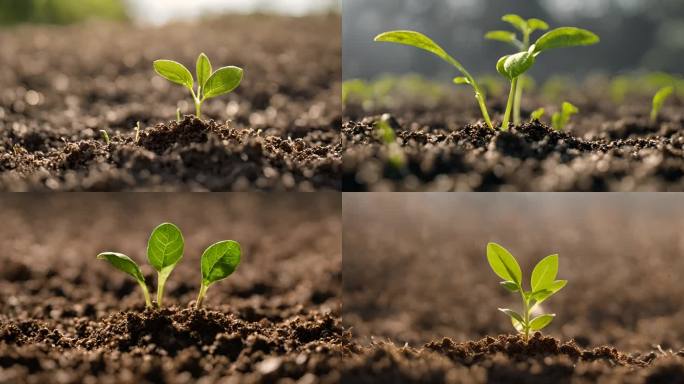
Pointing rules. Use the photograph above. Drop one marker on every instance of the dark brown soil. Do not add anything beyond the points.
(509, 359)
(67, 317)
(446, 149)
(278, 131)
(415, 272)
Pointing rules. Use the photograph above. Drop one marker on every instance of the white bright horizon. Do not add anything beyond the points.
(163, 11)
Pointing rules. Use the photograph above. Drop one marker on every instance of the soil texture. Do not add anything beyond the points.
(278, 131)
(606, 147)
(69, 318)
(421, 300)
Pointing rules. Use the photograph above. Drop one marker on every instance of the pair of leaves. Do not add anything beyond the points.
(525, 26)
(164, 250)
(536, 324)
(512, 66)
(543, 277)
(211, 84)
(560, 119)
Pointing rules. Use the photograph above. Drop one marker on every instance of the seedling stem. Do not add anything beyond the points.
(200, 297)
(148, 301)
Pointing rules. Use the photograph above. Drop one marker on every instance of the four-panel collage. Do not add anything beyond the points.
(341, 191)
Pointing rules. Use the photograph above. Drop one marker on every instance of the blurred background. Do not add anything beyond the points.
(635, 35)
(415, 266)
(146, 11)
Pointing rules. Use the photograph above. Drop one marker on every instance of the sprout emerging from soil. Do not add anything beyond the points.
(537, 114)
(105, 136)
(543, 285)
(513, 66)
(219, 261)
(420, 41)
(659, 100)
(386, 134)
(560, 119)
(127, 265)
(209, 84)
(164, 251)
(137, 132)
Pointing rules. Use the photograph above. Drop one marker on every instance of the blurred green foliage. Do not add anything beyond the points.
(60, 11)
(388, 90)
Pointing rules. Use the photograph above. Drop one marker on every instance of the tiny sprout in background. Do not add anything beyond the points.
(105, 136)
(127, 265)
(137, 132)
(420, 41)
(537, 114)
(385, 133)
(560, 119)
(209, 84)
(659, 100)
(219, 261)
(543, 285)
(164, 251)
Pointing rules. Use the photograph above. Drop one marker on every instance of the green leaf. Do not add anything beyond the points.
(549, 291)
(516, 21)
(512, 66)
(203, 69)
(124, 264)
(414, 39)
(537, 114)
(544, 273)
(513, 314)
(659, 100)
(503, 263)
(511, 286)
(165, 247)
(517, 325)
(565, 37)
(534, 24)
(223, 81)
(461, 80)
(219, 261)
(540, 322)
(504, 36)
(569, 109)
(174, 72)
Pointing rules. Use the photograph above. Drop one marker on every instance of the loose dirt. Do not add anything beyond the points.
(278, 131)
(67, 317)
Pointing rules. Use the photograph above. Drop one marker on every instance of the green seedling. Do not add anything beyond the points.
(105, 136)
(209, 84)
(560, 119)
(659, 100)
(420, 41)
(178, 115)
(560, 37)
(395, 155)
(137, 132)
(219, 261)
(537, 114)
(513, 66)
(127, 265)
(543, 285)
(526, 28)
(164, 251)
